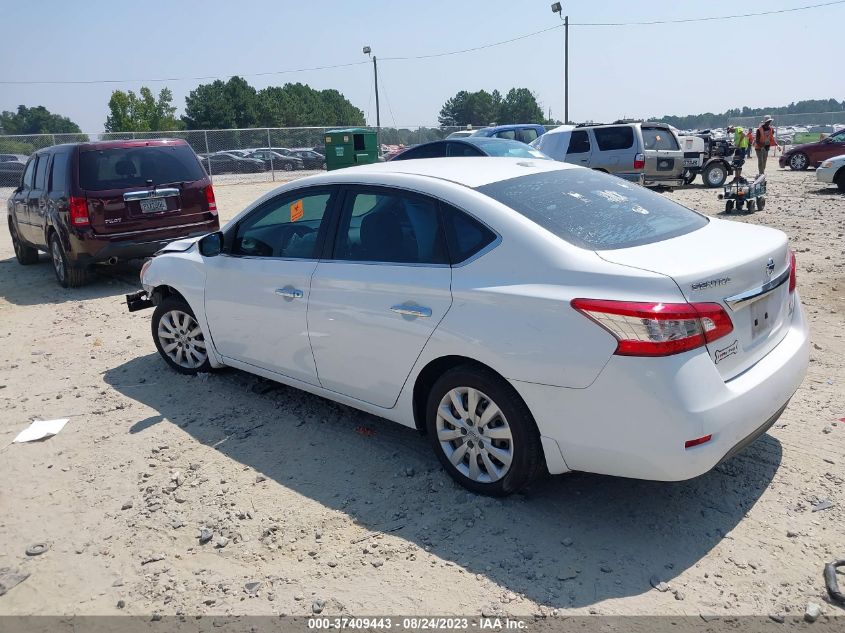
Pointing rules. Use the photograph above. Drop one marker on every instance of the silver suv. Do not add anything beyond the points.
(645, 153)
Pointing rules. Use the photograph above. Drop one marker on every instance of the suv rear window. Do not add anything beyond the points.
(593, 210)
(659, 138)
(611, 138)
(126, 167)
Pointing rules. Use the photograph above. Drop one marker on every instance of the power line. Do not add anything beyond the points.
(430, 55)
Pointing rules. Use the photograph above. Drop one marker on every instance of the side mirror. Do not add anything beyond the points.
(211, 245)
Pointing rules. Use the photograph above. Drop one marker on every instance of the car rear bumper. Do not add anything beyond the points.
(635, 418)
(664, 181)
(88, 247)
(638, 178)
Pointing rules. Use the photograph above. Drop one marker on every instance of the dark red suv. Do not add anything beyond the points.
(85, 203)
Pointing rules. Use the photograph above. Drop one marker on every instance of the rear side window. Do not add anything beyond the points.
(526, 135)
(465, 235)
(593, 210)
(58, 173)
(463, 149)
(433, 150)
(390, 226)
(579, 143)
(613, 138)
(41, 171)
(127, 167)
(659, 138)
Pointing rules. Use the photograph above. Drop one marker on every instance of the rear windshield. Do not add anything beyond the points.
(127, 167)
(659, 138)
(512, 149)
(593, 210)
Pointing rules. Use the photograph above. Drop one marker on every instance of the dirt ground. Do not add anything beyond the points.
(326, 508)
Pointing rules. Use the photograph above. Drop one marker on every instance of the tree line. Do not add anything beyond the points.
(711, 120)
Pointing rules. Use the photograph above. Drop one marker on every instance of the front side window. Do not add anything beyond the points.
(507, 134)
(463, 149)
(593, 210)
(390, 226)
(659, 138)
(286, 227)
(29, 173)
(430, 150)
(526, 135)
(579, 142)
(614, 138)
(41, 172)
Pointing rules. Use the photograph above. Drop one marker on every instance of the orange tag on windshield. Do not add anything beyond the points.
(296, 211)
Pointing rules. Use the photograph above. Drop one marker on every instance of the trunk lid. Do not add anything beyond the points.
(743, 267)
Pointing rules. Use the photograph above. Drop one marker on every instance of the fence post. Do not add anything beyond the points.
(208, 156)
(272, 168)
(53, 137)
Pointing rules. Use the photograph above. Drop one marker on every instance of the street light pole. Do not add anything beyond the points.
(368, 51)
(556, 8)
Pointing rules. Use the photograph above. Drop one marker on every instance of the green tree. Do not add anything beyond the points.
(142, 113)
(520, 106)
(35, 120)
(470, 108)
(220, 105)
(297, 105)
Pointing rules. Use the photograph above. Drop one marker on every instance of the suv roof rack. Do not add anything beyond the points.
(589, 124)
(621, 121)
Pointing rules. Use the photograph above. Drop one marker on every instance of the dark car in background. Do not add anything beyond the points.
(310, 158)
(275, 160)
(11, 169)
(471, 146)
(800, 157)
(227, 163)
(85, 203)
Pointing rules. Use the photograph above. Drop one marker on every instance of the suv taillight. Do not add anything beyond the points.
(78, 211)
(657, 329)
(209, 197)
(639, 161)
(793, 277)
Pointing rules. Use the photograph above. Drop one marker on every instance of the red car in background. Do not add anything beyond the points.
(85, 203)
(800, 157)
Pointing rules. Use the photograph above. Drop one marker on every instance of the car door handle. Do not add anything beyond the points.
(289, 293)
(410, 310)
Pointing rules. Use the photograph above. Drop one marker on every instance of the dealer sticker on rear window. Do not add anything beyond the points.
(296, 211)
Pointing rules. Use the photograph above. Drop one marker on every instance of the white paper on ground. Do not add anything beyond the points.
(40, 429)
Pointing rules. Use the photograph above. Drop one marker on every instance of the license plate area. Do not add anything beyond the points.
(763, 316)
(153, 205)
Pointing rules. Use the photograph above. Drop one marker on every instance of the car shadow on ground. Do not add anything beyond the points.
(36, 284)
(569, 541)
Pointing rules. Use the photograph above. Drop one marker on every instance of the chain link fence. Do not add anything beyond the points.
(225, 154)
(798, 128)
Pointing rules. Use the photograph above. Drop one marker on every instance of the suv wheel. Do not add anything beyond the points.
(482, 432)
(179, 338)
(714, 175)
(24, 253)
(68, 276)
(799, 161)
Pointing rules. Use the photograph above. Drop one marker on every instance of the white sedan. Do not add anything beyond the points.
(528, 316)
(832, 171)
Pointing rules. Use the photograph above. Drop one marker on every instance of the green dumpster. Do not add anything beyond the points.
(353, 146)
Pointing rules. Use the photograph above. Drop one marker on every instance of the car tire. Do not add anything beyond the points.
(505, 448)
(287, 166)
(25, 254)
(714, 175)
(67, 275)
(178, 337)
(799, 161)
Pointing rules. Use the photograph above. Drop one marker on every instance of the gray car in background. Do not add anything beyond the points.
(645, 153)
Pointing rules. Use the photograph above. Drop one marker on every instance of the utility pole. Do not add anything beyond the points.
(556, 8)
(368, 51)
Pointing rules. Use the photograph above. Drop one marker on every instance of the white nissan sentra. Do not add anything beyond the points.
(527, 315)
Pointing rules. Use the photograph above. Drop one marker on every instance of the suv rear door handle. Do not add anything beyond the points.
(412, 310)
(289, 293)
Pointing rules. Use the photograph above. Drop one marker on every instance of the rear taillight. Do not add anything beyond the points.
(657, 329)
(639, 161)
(78, 211)
(209, 198)
(793, 278)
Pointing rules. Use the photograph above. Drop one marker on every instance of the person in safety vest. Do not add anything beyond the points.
(764, 139)
(740, 142)
(750, 143)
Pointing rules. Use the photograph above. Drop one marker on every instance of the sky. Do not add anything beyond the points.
(633, 71)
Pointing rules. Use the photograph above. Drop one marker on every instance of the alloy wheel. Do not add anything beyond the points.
(58, 259)
(474, 434)
(798, 162)
(181, 339)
